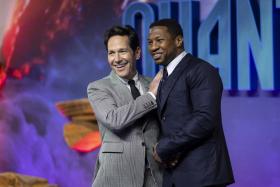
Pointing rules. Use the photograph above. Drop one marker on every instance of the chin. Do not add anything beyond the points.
(122, 75)
(159, 62)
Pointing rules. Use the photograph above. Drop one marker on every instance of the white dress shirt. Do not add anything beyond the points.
(173, 64)
(137, 83)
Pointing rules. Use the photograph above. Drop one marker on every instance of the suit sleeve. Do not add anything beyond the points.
(115, 117)
(205, 94)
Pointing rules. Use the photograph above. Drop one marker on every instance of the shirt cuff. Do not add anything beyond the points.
(152, 95)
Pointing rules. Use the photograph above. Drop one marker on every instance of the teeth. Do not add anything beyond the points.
(120, 65)
(157, 55)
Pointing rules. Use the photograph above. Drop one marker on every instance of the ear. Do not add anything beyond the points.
(179, 41)
(137, 53)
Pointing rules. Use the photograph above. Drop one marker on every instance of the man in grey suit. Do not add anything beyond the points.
(124, 103)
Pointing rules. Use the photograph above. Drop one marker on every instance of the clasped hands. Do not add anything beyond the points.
(170, 163)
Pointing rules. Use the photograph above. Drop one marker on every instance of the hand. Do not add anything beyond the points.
(155, 155)
(154, 84)
(172, 162)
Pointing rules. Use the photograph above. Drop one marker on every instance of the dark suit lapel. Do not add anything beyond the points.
(171, 81)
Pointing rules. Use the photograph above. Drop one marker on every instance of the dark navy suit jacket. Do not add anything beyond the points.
(190, 112)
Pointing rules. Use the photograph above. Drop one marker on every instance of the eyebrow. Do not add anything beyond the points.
(120, 49)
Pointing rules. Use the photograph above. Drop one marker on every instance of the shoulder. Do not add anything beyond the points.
(100, 83)
(201, 70)
(200, 65)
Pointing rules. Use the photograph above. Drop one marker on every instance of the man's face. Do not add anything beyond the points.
(121, 57)
(162, 45)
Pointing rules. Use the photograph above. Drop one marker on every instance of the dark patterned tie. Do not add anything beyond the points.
(164, 74)
(134, 91)
(161, 84)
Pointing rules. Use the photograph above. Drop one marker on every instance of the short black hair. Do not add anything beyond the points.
(123, 31)
(174, 28)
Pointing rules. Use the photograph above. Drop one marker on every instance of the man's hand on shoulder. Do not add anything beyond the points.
(155, 82)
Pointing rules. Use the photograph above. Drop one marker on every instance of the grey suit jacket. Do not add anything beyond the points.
(129, 128)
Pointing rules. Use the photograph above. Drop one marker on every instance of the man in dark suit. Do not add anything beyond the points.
(192, 145)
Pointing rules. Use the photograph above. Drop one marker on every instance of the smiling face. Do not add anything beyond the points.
(162, 46)
(121, 57)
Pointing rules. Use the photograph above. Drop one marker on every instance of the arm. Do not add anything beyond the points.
(115, 117)
(205, 95)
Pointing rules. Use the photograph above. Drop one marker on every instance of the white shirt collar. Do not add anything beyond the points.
(135, 78)
(138, 84)
(172, 65)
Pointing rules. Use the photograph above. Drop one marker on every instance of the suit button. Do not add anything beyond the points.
(163, 118)
(143, 143)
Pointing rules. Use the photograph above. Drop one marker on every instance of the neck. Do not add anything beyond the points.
(131, 75)
(179, 51)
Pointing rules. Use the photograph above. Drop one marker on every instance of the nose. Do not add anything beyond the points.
(117, 57)
(153, 46)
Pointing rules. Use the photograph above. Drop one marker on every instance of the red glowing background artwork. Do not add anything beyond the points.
(50, 51)
(33, 28)
(45, 23)
(53, 20)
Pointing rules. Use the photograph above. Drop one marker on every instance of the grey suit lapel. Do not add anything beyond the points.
(145, 83)
(120, 88)
(124, 92)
